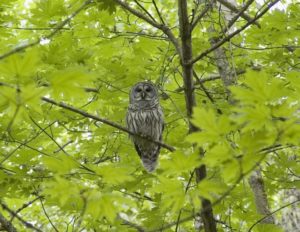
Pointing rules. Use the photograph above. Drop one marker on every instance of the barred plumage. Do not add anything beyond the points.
(145, 117)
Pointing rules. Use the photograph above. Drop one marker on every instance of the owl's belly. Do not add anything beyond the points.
(146, 122)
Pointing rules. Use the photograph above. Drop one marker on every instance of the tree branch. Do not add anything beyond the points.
(50, 35)
(6, 225)
(158, 12)
(203, 87)
(47, 216)
(25, 223)
(147, 12)
(236, 17)
(226, 39)
(105, 121)
(131, 224)
(36, 28)
(240, 13)
(24, 206)
(201, 15)
(162, 27)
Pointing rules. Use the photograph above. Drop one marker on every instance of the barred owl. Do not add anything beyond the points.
(145, 117)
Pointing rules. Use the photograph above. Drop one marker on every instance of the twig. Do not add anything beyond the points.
(25, 143)
(135, 34)
(210, 78)
(50, 35)
(273, 212)
(224, 40)
(201, 15)
(105, 121)
(162, 27)
(186, 189)
(240, 13)
(35, 28)
(63, 146)
(47, 216)
(158, 12)
(143, 8)
(203, 87)
(24, 206)
(131, 224)
(60, 147)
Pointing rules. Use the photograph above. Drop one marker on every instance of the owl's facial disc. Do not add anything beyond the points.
(144, 92)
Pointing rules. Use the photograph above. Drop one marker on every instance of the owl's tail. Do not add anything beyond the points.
(149, 163)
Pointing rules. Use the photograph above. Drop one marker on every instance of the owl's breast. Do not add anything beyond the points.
(146, 122)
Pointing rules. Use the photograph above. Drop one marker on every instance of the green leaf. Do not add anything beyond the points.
(180, 162)
(114, 174)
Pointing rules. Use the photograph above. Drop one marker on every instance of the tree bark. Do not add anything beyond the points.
(187, 68)
(6, 225)
(261, 201)
(227, 76)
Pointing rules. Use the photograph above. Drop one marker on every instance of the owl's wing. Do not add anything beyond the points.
(162, 130)
(138, 150)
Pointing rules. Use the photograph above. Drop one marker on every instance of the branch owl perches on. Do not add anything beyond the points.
(145, 117)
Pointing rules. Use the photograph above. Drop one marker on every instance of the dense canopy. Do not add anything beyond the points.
(228, 78)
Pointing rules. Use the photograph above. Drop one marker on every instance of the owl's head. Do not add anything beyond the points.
(143, 91)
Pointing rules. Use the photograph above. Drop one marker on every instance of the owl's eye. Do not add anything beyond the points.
(148, 89)
(138, 90)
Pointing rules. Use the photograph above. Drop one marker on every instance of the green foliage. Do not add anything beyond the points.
(87, 173)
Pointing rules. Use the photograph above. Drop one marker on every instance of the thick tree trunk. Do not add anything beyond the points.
(261, 201)
(207, 214)
(290, 220)
(227, 76)
(6, 225)
(187, 67)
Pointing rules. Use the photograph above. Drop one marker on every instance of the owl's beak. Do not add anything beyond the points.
(143, 95)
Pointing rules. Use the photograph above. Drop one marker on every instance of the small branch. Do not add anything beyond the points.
(36, 28)
(25, 143)
(135, 34)
(230, 36)
(186, 189)
(201, 15)
(86, 89)
(162, 27)
(105, 121)
(158, 12)
(143, 8)
(131, 224)
(203, 87)
(63, 146)
(210, 78)
(25, 223)
(290, 48)
(240, 13)
(50, 35)
(60, 147)
(24, 206)
(270, 214)
(47, 216)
